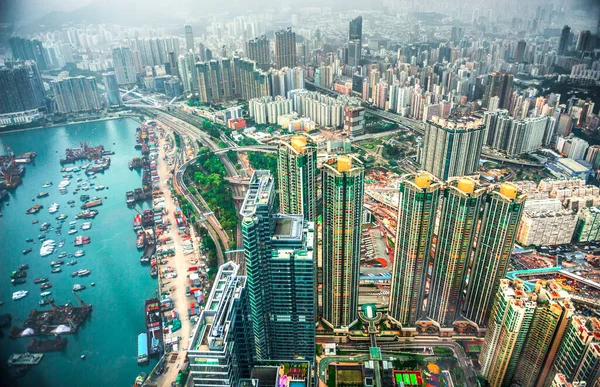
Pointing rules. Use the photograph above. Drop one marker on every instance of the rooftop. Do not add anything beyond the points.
(259, 192)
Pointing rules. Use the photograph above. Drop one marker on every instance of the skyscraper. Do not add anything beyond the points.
(458, 219)
(499, 85)
(520, 52)
(20, 88)
(27, 49)
(113, 95)
(297, 176)
(285, 48)
(259, 51)
(501, 214)
(563, 43)
(355, 41)
(76, 94)
(124, 66)
(343, 188)
(419, 196)
(281, 275)
(189, 38)
(220, 347)
(452, 147)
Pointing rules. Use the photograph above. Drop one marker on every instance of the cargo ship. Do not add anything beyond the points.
(86, 214)
(91, 203)
(153, 325)
(142, 357)
(141, 239)
(137, 222)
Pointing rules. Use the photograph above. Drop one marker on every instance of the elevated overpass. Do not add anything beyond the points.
(249, 148)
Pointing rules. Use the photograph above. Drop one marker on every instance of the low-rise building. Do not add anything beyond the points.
(570, 169)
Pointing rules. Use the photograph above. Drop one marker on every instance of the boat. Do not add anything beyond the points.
(83, 272)
(87, 214)
(20, 294)
(42, 236)
(57, 344)
(35, 221)
(44, 226)
(93, 284)
(72, 231)
(79, 253)
(24, 359)
(71, 202)
(84, 198)
(141, 238)
(137, 221)
(18, 274)
(44, 294)
(62, 255)
(27, 251)
(45, 286)
(86, 226)
(60, 261)
(73, 262)
(47, 248)
(56, 270)
(29, 240)
(46, 301)
(99, 188)
(75, 273)
(47, 184)
(61, 243)
(35, 209)
(62, 217)
(63, 191)
(18, 281)
(42, 194)
(40, 280)
(91, 203)
(82, 240)
(142, 348)
(72, 223)
(78, 287)
(24, 266)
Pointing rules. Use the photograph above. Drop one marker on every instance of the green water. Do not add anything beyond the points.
(109, 338)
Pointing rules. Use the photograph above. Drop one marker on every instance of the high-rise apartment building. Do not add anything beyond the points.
(354, 120)
(189, 38)
(520, 51)
(419, 196)
(563, 43)
(343, 189)
(297, 177)
(511, 316)
(113, 95)
(458, 219)
(220, 347)
(285, 48)
(500, 218)
(76, 94)
(259, 50)
(452, 147)
(281, 281)
(588, 225)
(499, 85)
(27, 49)
(124, 65)
(21, 88)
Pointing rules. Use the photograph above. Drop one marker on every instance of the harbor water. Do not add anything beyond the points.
(109, 338)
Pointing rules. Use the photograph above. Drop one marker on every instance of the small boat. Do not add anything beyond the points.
(78, 287)
(62, 217)
(62, 255)
(86, 226)
(35, 221)
(24, 267)
(72, 231)
(40, 280)
(46, 301)
(53, 208)
(35, 209)
(20, 294)
(18, 281)
(139, 381)
(29, 240)
(56, 270)
(83, 272)
(18, 274)
(75, 273)
(79, 253)
(45, 286)
(60, 261)
(73, 262)
(84, 198)
(42, 194)
(44, 226)
(27, 251)
(61, 243)
(47, 184)
(99, 188)
(44, 294)
(73, 222)
(41, 236)
(93, 284)
(71, 202)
